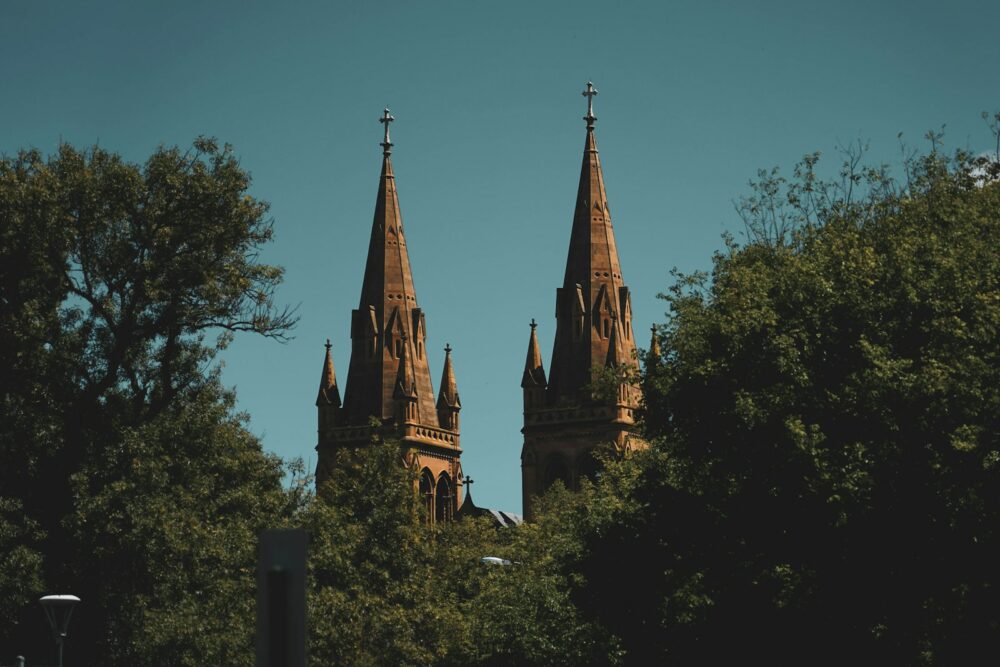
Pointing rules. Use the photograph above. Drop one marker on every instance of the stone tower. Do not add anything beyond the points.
(388, 381)
(580, 405)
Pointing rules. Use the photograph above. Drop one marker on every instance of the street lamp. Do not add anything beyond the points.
(58, 609)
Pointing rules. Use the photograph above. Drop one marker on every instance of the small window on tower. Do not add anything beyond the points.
(607, 328)
(399, 348)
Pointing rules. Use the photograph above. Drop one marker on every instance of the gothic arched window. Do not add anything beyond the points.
(443, 499)
(556, 468)
(427, 494)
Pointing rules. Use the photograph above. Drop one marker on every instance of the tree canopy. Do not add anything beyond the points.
(128, 478)
(824, 483)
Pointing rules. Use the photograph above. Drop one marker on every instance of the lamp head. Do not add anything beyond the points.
(58, 610)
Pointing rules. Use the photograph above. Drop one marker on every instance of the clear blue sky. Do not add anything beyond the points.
(695, 96)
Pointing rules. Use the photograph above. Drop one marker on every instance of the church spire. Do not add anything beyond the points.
(389, 393)
(388, 326)
(329, 393)
(593, 288)
(567, 418)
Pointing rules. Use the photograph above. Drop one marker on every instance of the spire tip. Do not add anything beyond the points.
(589, 93)
(385, 120)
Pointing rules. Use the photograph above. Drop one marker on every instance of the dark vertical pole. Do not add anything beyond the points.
(281, 599)
(277, 627)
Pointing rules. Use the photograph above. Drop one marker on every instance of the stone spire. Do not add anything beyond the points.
(566, 419)
(389, 392)
(533, 379)
(654, 346)
(388, 326)
(449, 388)
(593, 288)
(448, 403)
(328, 394)
(534, 370)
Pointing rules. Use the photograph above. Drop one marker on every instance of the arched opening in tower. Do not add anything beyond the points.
(427, 493)
(556, 468)
(443, 498)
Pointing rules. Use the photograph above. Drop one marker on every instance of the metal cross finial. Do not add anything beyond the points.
(589, 94)
(533, 325)
(385, 120)
(447, 348)
(328, 346)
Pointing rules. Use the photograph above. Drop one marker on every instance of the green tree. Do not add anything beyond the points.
(385, 588)
(118, 284)
(826, 409)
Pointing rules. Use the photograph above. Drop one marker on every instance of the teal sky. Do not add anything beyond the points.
(694, 97)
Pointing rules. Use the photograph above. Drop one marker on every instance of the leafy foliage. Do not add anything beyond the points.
(388, 589)
(827, 412)
(137, 487)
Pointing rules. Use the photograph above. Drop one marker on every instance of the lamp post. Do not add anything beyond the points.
(58, 609)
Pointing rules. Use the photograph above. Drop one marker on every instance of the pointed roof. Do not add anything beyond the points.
(614, 353)
(448, 395)
(328, 394)
(534, 371)
(654, 344)
(388, 324)
(592, 281)
(405, 386)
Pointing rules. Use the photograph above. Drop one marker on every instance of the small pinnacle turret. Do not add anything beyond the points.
(448, 404)
(654, 346)
(329, 393)
(534, 370)
(449, 388)
(533, 382)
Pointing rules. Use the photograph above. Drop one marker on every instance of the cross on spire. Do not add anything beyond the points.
(533, 324)
(589, 94)
(385, 120)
